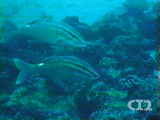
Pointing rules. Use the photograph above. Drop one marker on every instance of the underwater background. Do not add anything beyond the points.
(126, 59)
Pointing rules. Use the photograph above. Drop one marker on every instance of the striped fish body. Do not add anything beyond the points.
(66, 67)
(61, 67)
(56, 33)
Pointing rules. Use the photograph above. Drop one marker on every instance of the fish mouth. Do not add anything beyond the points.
(80, 44)
(97, 77)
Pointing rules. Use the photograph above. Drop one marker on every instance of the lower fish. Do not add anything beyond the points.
(60, 67)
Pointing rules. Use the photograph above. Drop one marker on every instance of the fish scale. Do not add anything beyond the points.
(61, 67)
(71, 59)
(86, 70)
(55, 33)
(60, 26)
(73, 63)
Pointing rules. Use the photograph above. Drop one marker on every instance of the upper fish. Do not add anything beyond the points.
(58, 67)
(52, 32)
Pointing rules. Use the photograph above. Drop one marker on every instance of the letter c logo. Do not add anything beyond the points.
(130, 105)
(148, 108)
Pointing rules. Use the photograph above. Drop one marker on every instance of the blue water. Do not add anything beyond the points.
(123, 50)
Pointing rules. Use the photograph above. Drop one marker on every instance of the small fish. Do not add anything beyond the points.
(56, 33)
(61, 67)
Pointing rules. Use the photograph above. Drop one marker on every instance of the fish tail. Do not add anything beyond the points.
(8, 29)
(26, 70)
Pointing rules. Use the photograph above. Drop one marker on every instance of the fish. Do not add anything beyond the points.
(57, 67)
(51, 32)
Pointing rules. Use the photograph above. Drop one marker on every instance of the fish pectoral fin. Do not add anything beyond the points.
(22, 76)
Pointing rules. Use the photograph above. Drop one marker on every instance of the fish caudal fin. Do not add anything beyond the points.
(22, 76)
(8, 29)
(26, 70)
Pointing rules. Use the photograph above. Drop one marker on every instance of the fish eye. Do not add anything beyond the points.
(40, 64)
(27, 25)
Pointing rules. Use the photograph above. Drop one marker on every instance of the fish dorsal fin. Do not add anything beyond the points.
(36, 21)
(54, 57)
(47, 59)
(67, 26)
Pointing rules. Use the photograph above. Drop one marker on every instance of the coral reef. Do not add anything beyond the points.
(83, 28)
(127, 63)
(135, 8)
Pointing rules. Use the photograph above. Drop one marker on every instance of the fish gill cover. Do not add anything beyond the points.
(123, 51)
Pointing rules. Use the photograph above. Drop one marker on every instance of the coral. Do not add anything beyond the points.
(136, 8)
(130, 4)
(107, 61)
(130, 81)
(127, 64)
(149, 25)
(112, 101)
(105, 28)
(114, 73)
(83, 28)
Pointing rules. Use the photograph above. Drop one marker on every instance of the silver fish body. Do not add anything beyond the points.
(61, 67)
(56, 33)
(66, 67)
